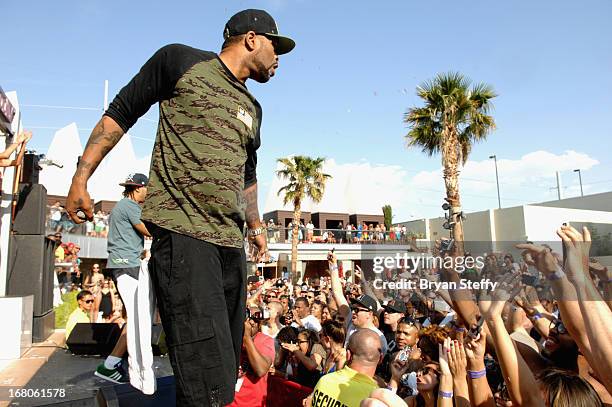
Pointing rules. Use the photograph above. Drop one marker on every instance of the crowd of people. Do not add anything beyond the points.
(540, 338)
(362, 232)
(58, 221)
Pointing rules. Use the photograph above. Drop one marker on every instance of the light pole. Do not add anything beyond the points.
(580, 179)
(494, 157)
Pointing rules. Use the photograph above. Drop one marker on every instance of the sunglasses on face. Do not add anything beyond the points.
(558, 325)
(88, 301)
(357, 310)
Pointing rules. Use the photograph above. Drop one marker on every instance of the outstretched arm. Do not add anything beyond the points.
(343, 305)
(594, 311)
(104, 137)
(522, 386)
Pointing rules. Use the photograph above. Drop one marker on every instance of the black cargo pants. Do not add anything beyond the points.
(201, 295)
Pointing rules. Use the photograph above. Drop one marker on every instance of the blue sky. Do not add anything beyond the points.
(343, 91)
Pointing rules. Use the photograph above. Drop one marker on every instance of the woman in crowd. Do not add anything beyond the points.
(332, 338)
(316, 310)
(93, 282)
(306, 358)
(106, 303)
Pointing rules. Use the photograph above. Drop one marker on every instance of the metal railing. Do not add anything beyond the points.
(338, 236)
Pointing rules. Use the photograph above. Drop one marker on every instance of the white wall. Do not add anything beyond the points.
(542, 222)
(595, 202)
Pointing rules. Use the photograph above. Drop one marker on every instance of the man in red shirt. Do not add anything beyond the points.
(255, 362)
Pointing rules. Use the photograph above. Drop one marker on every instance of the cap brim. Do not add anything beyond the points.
(354, 301)
(393, 310)
(284, 44)
(130, 184)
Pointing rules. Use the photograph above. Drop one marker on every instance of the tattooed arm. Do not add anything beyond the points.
(104, 137)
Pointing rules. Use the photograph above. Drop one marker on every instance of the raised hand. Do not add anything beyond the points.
(24, 136)
(457, 361)
(577, 247)
(492, 303)
(475, 349)
(600, 270)
(443, 351)
(539, 256)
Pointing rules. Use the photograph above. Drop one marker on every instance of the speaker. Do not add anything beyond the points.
(31, 210)
(93, 338)
(122, 395)
(30, 169)
(43, 326)
(31, 261)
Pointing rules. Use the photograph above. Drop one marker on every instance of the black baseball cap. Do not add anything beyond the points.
(365, 301)
(137, 180)
(395, 306)
(261, 23)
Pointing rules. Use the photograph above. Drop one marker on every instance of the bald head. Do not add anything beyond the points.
(365, 346)
(276, 308)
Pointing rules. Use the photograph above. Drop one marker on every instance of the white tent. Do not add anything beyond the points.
(65, 149)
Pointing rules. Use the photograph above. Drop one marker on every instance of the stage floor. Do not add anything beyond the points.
(75, 375)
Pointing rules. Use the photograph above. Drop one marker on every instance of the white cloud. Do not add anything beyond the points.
(363, 187)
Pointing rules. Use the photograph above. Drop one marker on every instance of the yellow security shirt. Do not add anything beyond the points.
(344, 388)
(77, 316)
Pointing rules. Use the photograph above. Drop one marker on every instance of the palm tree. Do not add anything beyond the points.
(454, 117)
(305, 179)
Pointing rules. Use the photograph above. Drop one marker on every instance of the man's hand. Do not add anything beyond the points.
(398, 368)
(296, 318)
(248, 330)
(259, 241)
(78, 203)
(540, 256)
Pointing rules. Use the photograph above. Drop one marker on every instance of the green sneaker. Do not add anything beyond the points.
(115, 375)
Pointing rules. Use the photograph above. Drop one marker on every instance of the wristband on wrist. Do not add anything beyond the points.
(536, 316)
(557, 275)
(459, 328)
(477, 374)
(445, 394)
(333, 267)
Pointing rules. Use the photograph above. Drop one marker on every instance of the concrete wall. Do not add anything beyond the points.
(595, 202)
(415, 227)
(542, 222)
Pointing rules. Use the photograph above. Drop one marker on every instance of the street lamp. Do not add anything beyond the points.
(580, 178)
(494, 158)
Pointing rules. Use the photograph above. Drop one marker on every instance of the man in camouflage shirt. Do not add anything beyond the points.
(202, 190)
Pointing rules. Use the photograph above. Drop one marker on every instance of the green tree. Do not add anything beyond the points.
(455, 116)
(305, 179)
(388, 214)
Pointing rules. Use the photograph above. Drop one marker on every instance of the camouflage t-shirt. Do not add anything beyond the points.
(205, 149)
